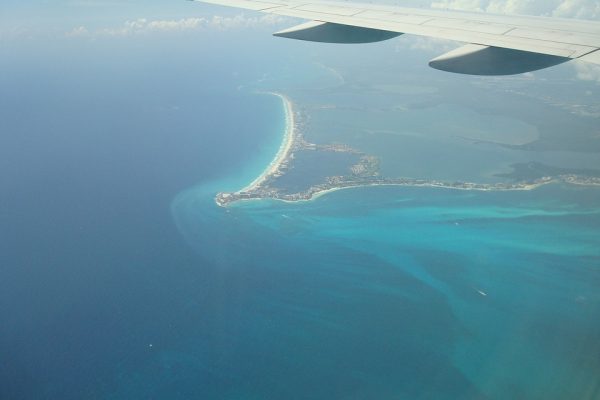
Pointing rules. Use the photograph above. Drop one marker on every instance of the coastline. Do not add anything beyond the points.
(284, 149)
(317, 192)
(323, 192)
(261, 187)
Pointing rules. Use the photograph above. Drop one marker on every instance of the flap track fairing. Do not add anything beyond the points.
(328, 32)
(474, 59)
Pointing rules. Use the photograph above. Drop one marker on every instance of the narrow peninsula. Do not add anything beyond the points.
(295, 174)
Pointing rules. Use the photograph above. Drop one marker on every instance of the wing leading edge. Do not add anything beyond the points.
(497, 44)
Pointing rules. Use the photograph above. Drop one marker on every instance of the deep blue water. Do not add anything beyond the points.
(91, 263)
(121, 279)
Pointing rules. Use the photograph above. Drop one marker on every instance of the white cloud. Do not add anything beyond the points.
(578, 9)
(586, 71)
(10, 33)
(422, 43)
(144, 26)
(80, 31)
(588, 9)
(468, 5)
(241, 21)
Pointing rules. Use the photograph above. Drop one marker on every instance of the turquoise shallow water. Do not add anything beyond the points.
(409, 293)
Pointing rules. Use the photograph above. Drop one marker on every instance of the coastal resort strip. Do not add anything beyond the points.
(363, 173)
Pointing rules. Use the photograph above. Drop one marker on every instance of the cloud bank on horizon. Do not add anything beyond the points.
(143, 26)
(585, 9)
(588, 9)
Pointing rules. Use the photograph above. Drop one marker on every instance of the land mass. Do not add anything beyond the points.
(363, 172)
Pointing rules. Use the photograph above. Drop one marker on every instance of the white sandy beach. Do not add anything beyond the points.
(284, 149)
(288, 142)
(323, 192)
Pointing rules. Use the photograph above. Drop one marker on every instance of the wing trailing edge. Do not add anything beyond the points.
(496, 44)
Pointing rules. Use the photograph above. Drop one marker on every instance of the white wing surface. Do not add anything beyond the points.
(496, 44)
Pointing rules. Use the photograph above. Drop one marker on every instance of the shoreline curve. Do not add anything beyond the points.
(284, 149)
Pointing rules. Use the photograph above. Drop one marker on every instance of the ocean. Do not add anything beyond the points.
(92, 266)
(121, 278)
(405, 293)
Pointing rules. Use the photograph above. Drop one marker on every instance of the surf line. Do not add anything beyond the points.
(284, 149)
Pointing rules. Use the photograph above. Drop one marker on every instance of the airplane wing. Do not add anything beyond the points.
(496, 44)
